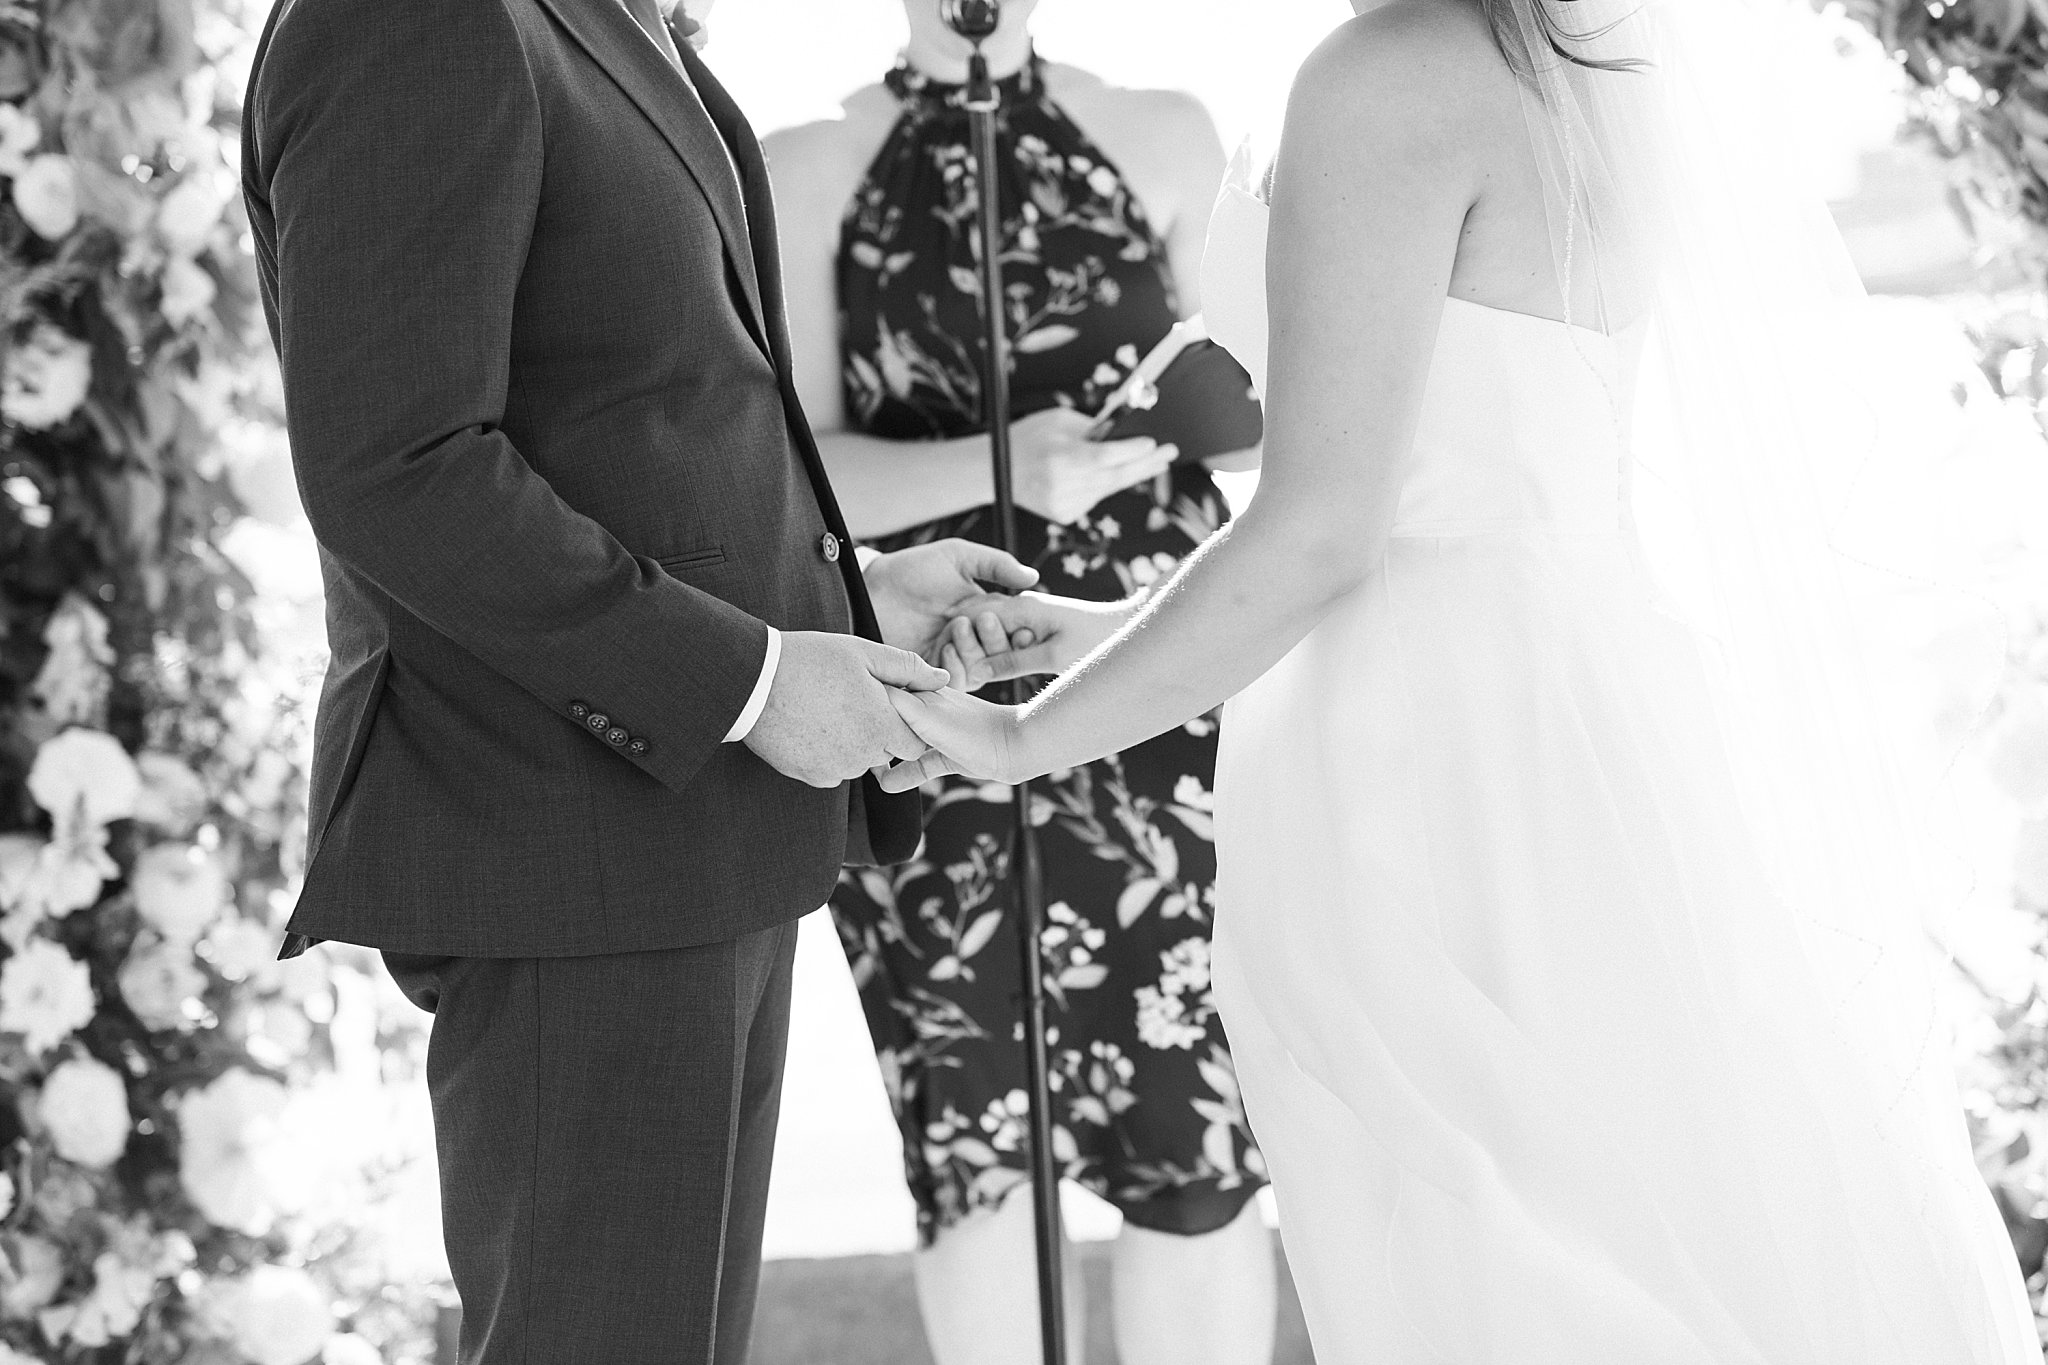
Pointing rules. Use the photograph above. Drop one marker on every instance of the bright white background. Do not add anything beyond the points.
(791, 60)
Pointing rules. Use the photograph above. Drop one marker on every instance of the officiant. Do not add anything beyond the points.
(1106, 195)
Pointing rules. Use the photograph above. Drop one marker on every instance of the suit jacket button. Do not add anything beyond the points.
(599, 722)
(580, 710)
(829, 547)
(638, 748)
(616, 737)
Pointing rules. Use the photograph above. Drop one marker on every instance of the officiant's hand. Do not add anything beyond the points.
(918, 591)
(828, 718)
(966, 735)
(1061, 473)
(996, 638)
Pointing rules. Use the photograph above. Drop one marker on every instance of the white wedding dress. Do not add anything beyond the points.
(1526, 1040)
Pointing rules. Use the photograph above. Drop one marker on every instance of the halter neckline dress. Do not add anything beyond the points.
(1147, 1111)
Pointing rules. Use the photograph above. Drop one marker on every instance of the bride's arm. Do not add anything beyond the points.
(1376, 175)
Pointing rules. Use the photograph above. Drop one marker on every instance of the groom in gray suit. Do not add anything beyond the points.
(604, 660)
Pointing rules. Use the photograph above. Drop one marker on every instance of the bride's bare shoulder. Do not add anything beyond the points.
(1420, 75)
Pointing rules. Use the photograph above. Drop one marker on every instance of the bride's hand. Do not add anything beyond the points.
(966, 735)
(997, 637)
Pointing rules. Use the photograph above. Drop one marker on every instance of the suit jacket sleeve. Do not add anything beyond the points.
(394, 150)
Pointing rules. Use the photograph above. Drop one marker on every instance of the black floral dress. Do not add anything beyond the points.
(1147, 1112)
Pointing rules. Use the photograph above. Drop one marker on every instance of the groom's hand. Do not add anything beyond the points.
(829, 718)
(919, 590)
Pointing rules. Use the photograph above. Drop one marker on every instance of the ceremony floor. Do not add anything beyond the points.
(861, 1310)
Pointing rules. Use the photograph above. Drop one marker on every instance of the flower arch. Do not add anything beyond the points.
(170, 1185)
(1979, 69)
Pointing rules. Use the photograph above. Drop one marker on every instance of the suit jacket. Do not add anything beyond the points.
(538, 387)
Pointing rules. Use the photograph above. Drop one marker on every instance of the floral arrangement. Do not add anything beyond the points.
(187, 1127)
(1982, 102)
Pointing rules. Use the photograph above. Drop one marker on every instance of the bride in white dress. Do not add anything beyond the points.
(1569, 954)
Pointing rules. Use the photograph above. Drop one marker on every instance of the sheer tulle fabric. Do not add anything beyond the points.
(1578, 994)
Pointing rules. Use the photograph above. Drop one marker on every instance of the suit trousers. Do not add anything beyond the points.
(605, 1127)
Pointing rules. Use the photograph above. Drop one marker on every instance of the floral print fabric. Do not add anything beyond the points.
(1146, 1109)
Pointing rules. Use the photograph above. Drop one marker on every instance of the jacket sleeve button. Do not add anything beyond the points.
(580, 710)
(616, 737)
(599, 722)
(638, 748)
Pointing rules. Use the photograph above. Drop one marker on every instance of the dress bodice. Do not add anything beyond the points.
(1086, 276)
(1088, 291)
(1520, 425)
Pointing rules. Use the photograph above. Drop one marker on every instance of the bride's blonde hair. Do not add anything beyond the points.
(1514, 22)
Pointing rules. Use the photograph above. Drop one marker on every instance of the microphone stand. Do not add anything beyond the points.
(977, 20)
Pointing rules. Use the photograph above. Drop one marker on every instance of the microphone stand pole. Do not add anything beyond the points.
(977, 21)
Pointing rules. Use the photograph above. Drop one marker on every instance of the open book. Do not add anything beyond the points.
(1188, 392)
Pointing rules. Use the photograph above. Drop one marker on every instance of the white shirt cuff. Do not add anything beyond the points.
(758, 703)
(865, 556)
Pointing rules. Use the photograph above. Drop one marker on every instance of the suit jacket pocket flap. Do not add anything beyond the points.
(693, 559)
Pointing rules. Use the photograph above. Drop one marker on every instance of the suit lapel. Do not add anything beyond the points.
(629, 56)
(882, 829)
(732, 125)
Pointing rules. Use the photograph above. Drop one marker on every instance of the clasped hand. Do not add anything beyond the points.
(829, 715)
(995, 638)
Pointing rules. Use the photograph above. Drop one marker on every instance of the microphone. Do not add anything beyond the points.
(974, 20)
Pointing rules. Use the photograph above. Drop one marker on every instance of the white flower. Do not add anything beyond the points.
(173, 798)
(349, 1349)
(227, 1160)
(113, 1309)
(19, 134)
(189, 214)
(188, 290)
(1103, 181)
(46, 193)
(241, 949)
(2016, 753)
(19, 854)
(1186, 967)
(179, 889)
(275, 1315)
(70, 871)
(48, 374)
(6, 1195)
(1162, 1021)
(8, 1355)
(1189, 792)
(72, 684)
(84, 777)
(84, 1108)
(38, 1275)
(45, 995)
(157, 980)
